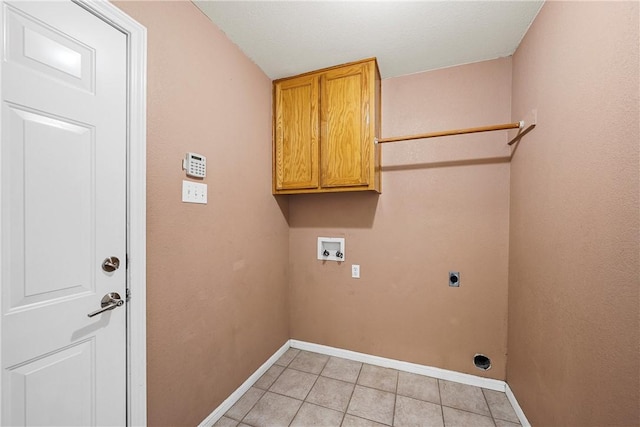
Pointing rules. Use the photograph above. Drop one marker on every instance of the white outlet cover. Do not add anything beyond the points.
(355, 271)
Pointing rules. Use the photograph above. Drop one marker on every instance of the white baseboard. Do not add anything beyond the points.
(414, 368)
(516, 407)
(236, 395)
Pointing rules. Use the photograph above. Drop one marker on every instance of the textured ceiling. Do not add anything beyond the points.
(291, 37)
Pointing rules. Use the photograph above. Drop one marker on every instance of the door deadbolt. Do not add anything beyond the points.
(110, 264)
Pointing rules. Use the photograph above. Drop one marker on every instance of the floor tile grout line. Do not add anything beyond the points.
(337, 379)
(300, 370)
(375, 388)
(296, 414)
(371, 388)
(277, 394)
(340, 379)
(313, 373)
(274, 381)
(419, 400)
(304, 400)
(488, 406)
(344, 413)
(283, 395)
(269, 390)
(287, 365)
(491, 411)
(509, 421)
(252, 406)
(441, 404)
(316, 405)
(327, 407)
(352, 391)
(469, 412)
(395, 400)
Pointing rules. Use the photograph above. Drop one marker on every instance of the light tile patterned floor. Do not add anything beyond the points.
(311, 389)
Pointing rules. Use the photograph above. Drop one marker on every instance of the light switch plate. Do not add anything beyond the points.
(194, 192)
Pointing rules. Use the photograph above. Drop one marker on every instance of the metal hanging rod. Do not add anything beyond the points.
(522, 131)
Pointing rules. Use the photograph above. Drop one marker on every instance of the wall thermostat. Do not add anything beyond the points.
(195, 164)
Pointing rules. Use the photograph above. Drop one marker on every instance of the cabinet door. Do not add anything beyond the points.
(296, 133)
(347, 134)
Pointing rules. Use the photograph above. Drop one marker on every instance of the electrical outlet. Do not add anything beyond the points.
(355, 271)
(454, 279)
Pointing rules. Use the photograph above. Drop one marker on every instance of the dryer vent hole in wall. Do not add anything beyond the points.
(482, 362)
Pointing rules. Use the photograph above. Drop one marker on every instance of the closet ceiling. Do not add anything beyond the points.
(291, 37)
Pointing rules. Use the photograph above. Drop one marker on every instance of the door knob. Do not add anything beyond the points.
(109, 302)
(110, 264)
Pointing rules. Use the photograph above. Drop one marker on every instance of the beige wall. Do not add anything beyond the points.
(574, 354)
(444, 206)
(216, 273)
(221, 296)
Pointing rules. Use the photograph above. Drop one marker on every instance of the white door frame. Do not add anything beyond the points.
(136, 203)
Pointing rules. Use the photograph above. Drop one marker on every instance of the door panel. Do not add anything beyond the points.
(346, 139)
(37, 383)
(48, 51)
(50, 154)
(63, 206)
(296, 133)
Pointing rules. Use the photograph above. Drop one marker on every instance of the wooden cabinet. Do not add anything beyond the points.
(325, 123)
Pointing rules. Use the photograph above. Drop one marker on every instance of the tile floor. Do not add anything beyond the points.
(311, 389)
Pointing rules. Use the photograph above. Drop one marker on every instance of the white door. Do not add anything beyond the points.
(63, 211)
